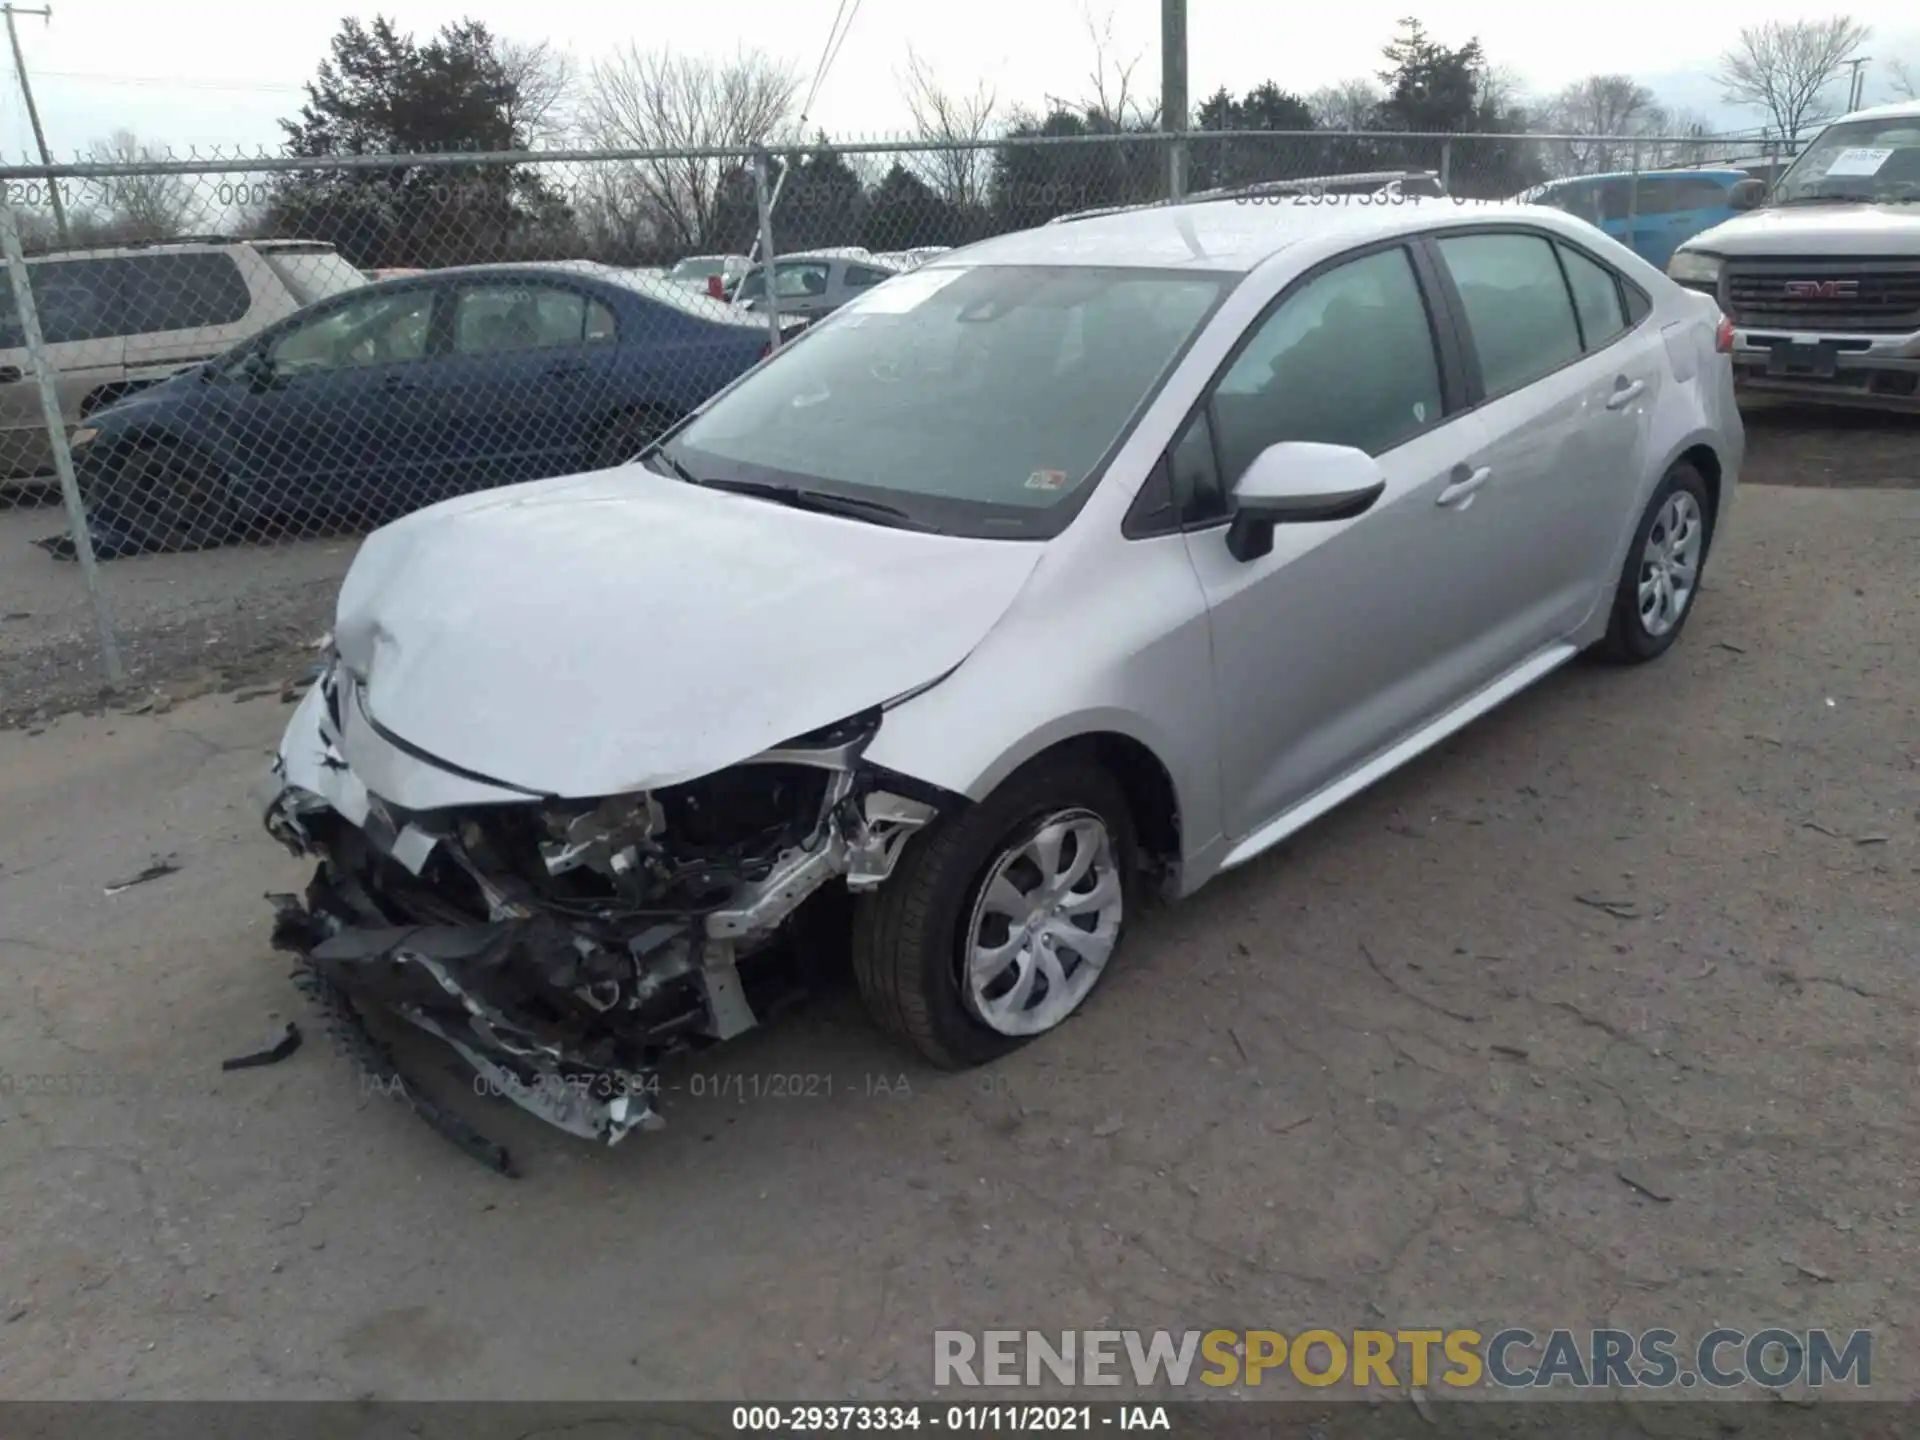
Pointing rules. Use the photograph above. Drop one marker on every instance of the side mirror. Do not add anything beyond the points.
(258, 369)
(1299, 482)
(1747, 195)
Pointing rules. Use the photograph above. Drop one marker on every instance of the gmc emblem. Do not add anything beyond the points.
(1822, 289)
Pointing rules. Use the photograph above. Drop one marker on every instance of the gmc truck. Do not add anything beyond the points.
(1822, 281)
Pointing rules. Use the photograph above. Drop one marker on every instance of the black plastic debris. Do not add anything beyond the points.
(157, 870)
(288, 1042)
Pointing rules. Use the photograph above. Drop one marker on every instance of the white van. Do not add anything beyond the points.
(118, 319)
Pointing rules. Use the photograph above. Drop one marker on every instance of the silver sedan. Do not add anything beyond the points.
(1075, 567)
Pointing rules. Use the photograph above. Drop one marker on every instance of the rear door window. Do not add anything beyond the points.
(1596, 297)
(1518, 310)
(194, 291)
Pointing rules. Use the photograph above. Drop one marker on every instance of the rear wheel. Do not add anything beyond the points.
(1661, 578)
(167, 500)
(999, 920)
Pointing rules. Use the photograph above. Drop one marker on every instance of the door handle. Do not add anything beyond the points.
(1465, 483)
(1625, 392)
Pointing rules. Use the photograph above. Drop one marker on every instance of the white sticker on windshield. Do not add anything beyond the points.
(1859, 161)
(900, 294)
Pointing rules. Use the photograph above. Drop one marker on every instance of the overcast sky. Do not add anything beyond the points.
(221, 72)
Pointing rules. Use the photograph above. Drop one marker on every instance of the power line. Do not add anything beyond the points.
(165, 82)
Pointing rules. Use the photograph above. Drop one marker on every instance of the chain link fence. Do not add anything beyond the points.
(228, 351)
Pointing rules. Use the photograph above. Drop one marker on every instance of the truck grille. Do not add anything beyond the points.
(1879, 297)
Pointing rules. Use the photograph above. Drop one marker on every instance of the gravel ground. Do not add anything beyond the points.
(242, 616)
(1603, 1012)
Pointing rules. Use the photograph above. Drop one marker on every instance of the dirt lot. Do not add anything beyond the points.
(1604, 1013)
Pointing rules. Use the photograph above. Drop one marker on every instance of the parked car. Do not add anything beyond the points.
(1656, 211)
(1076, 567)
(1823, 283)
(813, 284)
(708, 274)
(116, 320)
(400, 393)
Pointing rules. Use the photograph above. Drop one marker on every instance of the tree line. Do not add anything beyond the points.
(979, 168)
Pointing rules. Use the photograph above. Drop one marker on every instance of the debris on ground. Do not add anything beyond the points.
(1644, 1186)
(1619, 909)
(157, 870)
(288, 1042)
(1510, 1052)
(1112, 1125)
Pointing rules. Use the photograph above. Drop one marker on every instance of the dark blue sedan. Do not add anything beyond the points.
(394, 395)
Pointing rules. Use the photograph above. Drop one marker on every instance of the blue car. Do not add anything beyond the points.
(1667, 206)
(396, 394)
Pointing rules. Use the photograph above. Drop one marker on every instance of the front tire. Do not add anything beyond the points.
(168, 501)
(999, 920)
(1661, 578)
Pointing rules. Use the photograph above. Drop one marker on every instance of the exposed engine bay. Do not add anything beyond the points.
(566, 948)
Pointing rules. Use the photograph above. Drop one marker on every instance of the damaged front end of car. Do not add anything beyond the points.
(566, 948)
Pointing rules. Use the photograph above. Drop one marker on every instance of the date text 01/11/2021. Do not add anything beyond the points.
(735, 1087)
(956, 1419)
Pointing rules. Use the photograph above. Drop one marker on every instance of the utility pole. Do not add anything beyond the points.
(1173, 92)
(1854, 85)
(33, 112)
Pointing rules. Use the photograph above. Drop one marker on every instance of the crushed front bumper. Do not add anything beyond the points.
(562, 950)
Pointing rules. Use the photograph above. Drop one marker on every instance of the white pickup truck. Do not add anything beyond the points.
(1822, 283)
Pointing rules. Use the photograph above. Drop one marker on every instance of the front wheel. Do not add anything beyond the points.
(999, 920)
(1661, 578)
(168, 500)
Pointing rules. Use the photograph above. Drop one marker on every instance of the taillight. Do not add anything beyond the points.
(716, 287)
(1723, 337)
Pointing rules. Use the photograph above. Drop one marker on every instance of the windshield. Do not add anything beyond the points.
(792, 280)
(1877, 160)
(699, 267)
(312, 274)
(980, 401)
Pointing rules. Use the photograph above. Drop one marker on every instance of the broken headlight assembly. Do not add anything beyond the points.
(565, 949)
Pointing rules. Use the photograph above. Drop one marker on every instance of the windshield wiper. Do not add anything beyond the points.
(877, 512)
(1823, 200)
(675, 467)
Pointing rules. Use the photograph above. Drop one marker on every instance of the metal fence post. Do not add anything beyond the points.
(765, 206)
(1633, 193)
(57, 437)
(1446, 164)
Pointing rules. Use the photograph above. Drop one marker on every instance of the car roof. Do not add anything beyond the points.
(1896, 110)
(637, 283)
(1711, 172)
(1219, 235)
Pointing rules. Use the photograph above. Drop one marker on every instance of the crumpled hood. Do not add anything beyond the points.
(1803, 232)
(622, 631)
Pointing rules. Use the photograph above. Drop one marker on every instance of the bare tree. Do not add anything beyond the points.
(661, 101)
(143, 207)
(1597, 112)
(542, 81)
(955, 168)
(1904, 85)
(1346, 106)
(1784, 68)
(1112, 104)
